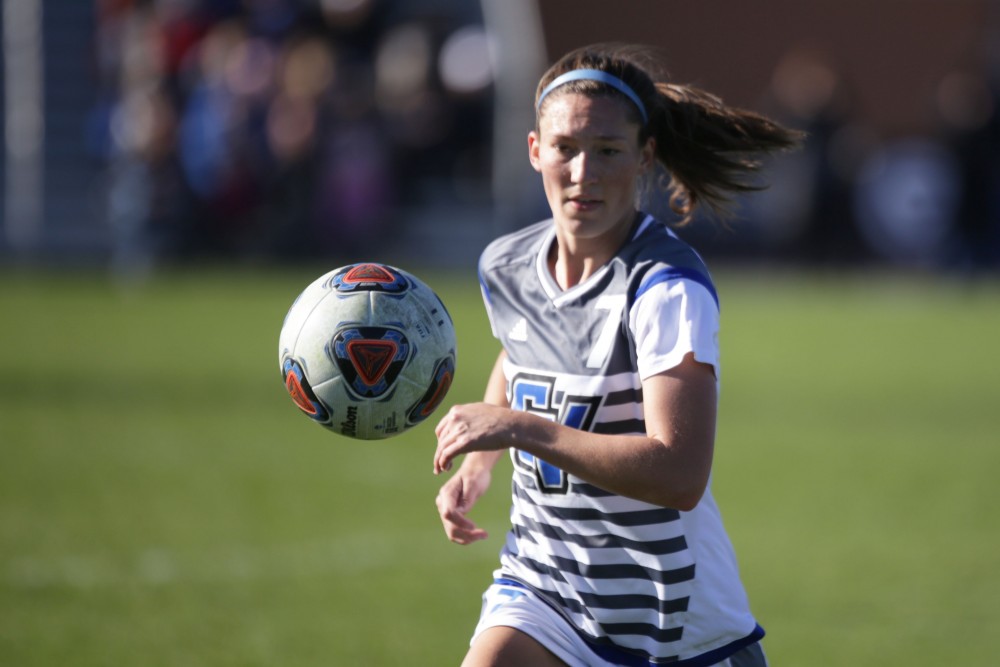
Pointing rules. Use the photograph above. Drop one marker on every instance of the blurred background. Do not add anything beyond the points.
(175, 172)
(144, 132)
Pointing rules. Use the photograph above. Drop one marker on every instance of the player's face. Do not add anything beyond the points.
(588, 153)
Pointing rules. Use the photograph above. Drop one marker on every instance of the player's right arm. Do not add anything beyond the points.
(470, 481)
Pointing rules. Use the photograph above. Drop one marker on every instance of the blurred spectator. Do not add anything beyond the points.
(146, 203)
(147, 200)
(806, 211)
(907, 201)
(966, 102)
(222, 145)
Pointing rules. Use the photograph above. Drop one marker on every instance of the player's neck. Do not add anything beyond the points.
(573, 259)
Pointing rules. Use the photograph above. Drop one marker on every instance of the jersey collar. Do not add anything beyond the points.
(556, 294)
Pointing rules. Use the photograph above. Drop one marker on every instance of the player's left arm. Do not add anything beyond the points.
(669, 466)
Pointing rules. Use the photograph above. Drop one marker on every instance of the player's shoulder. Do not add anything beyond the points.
(655, 241)
(515, 248)
(654, 245)
(658, 255)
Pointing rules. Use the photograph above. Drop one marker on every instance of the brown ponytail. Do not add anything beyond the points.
(710, 150)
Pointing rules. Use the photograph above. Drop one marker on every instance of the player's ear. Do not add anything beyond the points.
(534, 144)
(647, 154)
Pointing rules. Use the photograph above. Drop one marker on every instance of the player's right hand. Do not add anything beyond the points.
(456, 498)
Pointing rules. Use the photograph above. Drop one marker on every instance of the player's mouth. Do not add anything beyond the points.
(584, 203)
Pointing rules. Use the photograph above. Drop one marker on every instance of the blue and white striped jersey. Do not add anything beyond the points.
(642, 584)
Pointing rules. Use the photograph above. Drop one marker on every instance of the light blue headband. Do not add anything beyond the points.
(595, 75)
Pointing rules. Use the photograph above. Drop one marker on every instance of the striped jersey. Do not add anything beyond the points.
(641, 583)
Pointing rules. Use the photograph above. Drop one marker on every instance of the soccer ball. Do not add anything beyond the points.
(367, 351)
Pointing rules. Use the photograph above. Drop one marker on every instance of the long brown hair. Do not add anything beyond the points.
(709, 149)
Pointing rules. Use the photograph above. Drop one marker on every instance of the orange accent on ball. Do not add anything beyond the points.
(369, 273)
(439, 394)
(371, 358)
(298, 394)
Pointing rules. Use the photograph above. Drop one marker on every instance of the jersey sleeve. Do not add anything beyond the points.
(487, 297)
(671, 319)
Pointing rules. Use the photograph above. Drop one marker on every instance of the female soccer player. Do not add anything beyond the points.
(605, 391)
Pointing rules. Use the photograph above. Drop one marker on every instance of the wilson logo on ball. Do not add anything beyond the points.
(370, 358)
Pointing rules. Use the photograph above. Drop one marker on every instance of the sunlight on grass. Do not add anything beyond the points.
(162, 502)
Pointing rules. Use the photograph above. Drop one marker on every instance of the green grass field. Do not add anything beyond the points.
(162, 502)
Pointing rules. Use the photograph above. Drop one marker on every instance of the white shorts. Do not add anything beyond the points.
(512, 606)
(517, 607)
